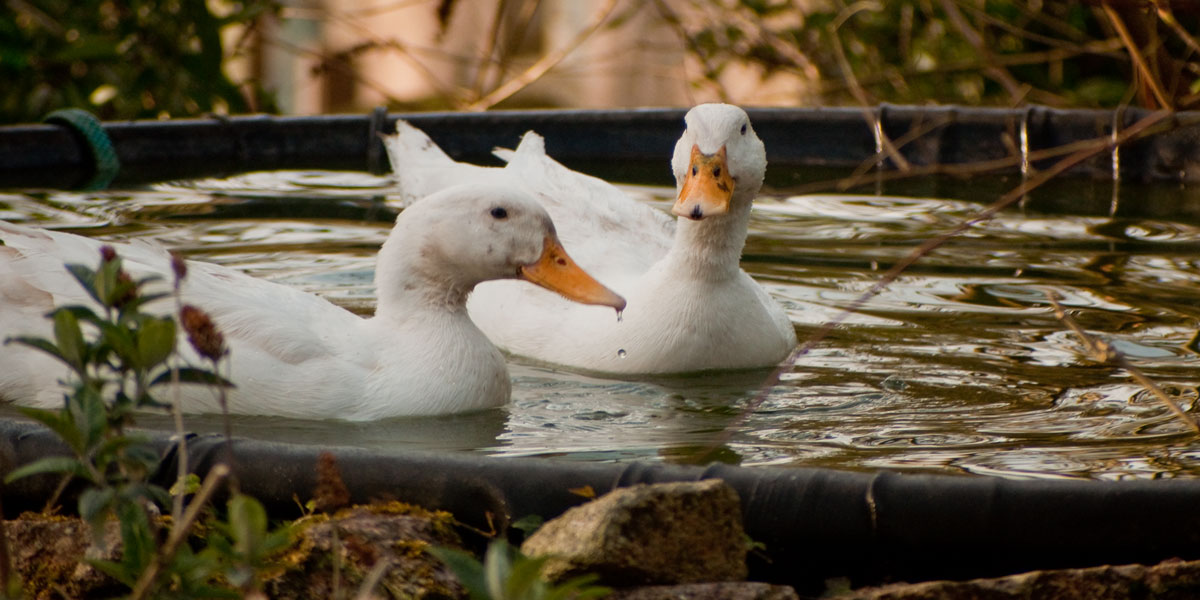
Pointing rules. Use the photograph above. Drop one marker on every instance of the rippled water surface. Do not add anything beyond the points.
(958, 366)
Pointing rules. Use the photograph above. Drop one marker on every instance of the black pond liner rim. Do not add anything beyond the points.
(58, 156)
(815, 524)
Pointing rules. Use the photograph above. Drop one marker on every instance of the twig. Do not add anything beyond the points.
(956, 18)
(1102, 47)
(1041, 177)
(861, 96)
(710, 72)
(914, 133)
(1135, 53)
(1167, 16)
(179, 531)
(545, 63)
(372, 579)
(1104, 352)
(858, 177)
(180, 269)
(223, 398)
(487, 54)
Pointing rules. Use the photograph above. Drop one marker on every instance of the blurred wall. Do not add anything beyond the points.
(351, 55)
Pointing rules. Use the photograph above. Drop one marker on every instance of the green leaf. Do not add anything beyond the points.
(69, 339)
(186, 486)
(39, 343)
(578, 588)
(497, 565)
(109, 287)
(94, 504)
(466, 568)
(136, 492)
(86, 278)
(528, 524)
(82, 313)
(121, 340)
(88, 415)
(140, 453)
(155, 341)
(248, 524)
(277, 540)
(115, 570)
(137, 537)
(193, 375)
(49, 464)
(523, 577)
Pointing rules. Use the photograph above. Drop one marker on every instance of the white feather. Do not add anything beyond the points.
(690, 306)
(294, 354)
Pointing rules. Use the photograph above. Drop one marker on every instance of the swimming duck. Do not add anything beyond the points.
(294, 354)
(690, 305)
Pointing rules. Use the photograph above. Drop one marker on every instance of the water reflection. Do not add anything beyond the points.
(959, 366)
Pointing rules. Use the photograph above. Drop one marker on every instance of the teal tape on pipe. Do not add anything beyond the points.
(104, 156)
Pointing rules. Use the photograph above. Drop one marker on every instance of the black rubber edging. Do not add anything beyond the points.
(815, 523)
(50, 157)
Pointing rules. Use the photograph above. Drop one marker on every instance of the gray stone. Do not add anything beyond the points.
(1169, 580)
(648, 534)
(725, 590)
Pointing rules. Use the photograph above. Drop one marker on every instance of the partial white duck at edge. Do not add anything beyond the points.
(690, 305)
(294, 354)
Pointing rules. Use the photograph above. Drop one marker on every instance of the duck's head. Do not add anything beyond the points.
(464, 235)
(719, 162)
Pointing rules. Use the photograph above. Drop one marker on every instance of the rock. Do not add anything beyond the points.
(333, 555)
(729, 590)
(1169, 580)
(46, 552)
(648, 534)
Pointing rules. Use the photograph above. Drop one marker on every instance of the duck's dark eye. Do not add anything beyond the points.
(499, 212)
(743, 129)
(695, 171)
(717, 172)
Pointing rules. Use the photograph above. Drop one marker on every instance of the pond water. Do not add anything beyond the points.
(959, 366)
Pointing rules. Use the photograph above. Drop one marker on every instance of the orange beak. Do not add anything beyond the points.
(556, 272)
(707, 187)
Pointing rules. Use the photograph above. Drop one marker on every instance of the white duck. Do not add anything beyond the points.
(294, 354)
(691, 307)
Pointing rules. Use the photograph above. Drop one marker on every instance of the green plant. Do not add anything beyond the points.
(118, 357)
(123, 60)
(506, 574)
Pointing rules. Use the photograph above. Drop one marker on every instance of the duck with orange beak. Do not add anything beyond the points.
(294, 354)
(690, 305)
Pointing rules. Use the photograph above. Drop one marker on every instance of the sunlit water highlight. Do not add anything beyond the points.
(959, 366)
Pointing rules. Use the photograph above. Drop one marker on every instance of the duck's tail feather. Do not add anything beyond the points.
(419, 166)
(410, 147)
(531, 145)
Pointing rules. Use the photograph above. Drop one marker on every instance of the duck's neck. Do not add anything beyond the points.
(415, 289)
(711, 248)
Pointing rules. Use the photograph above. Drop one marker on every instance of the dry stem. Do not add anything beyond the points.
(1102, 351)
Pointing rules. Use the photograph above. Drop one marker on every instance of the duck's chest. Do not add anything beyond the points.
(438, 366)
(693, 325)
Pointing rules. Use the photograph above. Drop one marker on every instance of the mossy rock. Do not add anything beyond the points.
(336, 554)
(47, 553)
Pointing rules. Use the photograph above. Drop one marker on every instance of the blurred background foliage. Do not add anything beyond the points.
(124, 59)
(1054, 52)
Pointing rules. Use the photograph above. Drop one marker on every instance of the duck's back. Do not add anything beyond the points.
(608, 233)
(270, 327)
